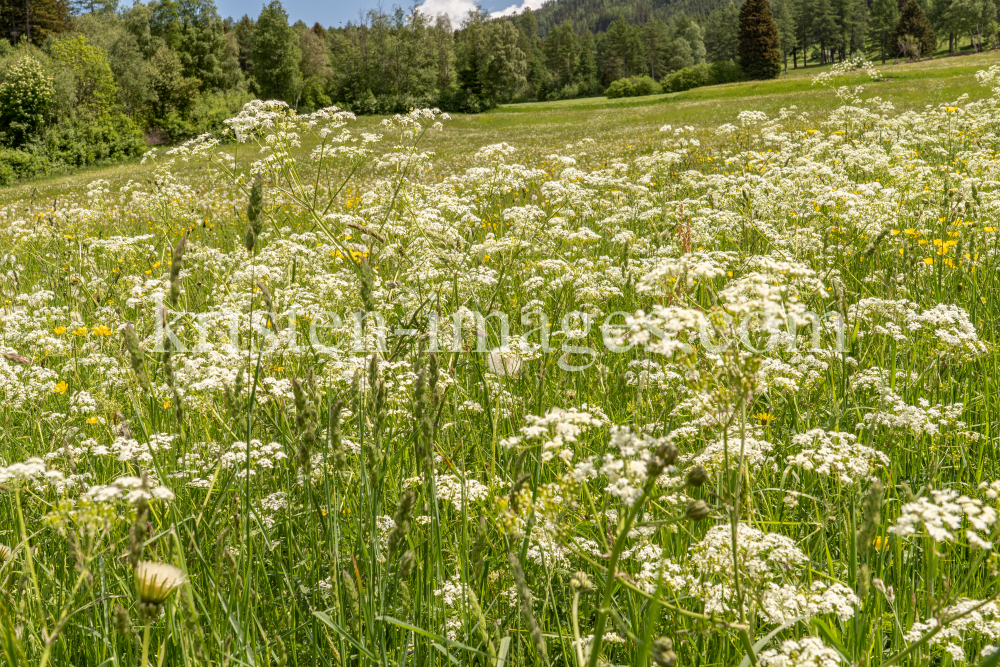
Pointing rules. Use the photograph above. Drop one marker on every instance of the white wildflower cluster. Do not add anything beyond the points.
(755, 452)
(964, 621)
(771, 569)
(627, 472)
(558, 431)
(837, 455)
(892, 412)
(943, 514)
(452, 489)
(129, 489)
(805, 652)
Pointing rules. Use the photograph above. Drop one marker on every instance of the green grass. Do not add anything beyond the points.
(401, 506)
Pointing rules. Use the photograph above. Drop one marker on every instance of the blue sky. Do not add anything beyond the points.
(337, 12)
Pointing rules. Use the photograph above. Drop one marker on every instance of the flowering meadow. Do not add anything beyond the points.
(312, 397)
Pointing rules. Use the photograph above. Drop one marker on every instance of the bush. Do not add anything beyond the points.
(25, 98)
(633, 86)
(461, 100)
(208, 114)
(724, 71)
(688, 78)
(17, 164)
(78, 142)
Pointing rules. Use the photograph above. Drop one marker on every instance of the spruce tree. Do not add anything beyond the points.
(722, 34)
(825, 28)
(760, 47)
(913, 22)
(882, 26)
(783, 18)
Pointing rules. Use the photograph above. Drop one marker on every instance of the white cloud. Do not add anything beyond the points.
(517, 9)
(456, 10)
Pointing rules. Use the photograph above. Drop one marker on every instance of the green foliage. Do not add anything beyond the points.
(913, 22)
(79, 142)
(96, 89)
(275, 56)
(492, 63)
(194, 30)
(317, 75)
(207, 114)
(702, 75)
(882, 21)
(174, 92)
(26, 93)
(33, 20)
(760, 47)
(633, 86)
(722, 34)
(18, 164)
(620, 52)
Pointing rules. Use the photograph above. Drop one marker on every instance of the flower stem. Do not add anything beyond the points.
(145, 645)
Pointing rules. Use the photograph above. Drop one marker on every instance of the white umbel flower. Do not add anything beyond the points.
(806, 652)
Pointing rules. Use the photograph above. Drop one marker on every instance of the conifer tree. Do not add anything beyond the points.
(722, 34)
(882, 26)
(783, 18)
(760, 47)
(825, 28)
(913, 22)
(275, 55)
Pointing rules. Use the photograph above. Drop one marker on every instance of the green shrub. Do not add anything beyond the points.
(78, 142)
(702, 75)
(25, 98)
(633, 86)
(17, 164)
(726, 71)
(207, 115)
(688, 78)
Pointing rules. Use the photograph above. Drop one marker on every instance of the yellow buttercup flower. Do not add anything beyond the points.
(60, 387)
(59, 331)
(102, 330)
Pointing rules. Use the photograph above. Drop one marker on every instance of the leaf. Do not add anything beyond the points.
(429, 634)
(762, 642)
(830, 636)
(323, 616)
(504, 648)
(442, 649)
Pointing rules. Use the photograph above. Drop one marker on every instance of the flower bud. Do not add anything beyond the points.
(663, 653)
(697, 510)
(580, 582)
(122, 623)
(697, 476)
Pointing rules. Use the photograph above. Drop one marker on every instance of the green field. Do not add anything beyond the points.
(679, 380)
